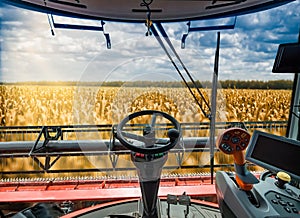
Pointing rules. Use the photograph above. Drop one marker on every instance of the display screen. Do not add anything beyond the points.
(287, 59)
(275, 153)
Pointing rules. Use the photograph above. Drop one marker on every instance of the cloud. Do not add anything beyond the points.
(30, 52)
(272, 26)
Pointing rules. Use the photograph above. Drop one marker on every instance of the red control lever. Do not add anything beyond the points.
(233, 141)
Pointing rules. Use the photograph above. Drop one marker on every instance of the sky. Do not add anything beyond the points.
(29, 52)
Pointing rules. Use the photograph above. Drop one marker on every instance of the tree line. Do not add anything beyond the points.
(225, 84)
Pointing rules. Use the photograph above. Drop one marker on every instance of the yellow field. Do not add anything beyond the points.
(66, 105)
(58, 105)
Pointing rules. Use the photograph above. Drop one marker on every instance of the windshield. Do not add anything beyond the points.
(75, 88)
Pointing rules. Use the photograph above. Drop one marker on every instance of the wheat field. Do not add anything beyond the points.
(52, 105)
(67, 105)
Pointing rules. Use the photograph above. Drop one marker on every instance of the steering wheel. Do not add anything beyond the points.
(147, 142)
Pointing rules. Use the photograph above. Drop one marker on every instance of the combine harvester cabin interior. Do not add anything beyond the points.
(146, 160)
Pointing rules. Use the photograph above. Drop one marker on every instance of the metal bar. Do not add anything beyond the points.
(158, 38)
(36, 160)
(107, 127)
(98, 193)
(293, 127)
(54, 161)
(36, 142)
(47, 162)
(84, 146)
(12, 147)
(63, 148)
(77, 27)
(164, 34)
(106, 170)
(214, 107)
(212, 28)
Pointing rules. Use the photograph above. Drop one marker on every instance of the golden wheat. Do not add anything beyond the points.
(58, 105)
(67, 105)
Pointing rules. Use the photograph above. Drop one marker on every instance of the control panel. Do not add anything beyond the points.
(286, 206)
(272, 200)
(243, 195)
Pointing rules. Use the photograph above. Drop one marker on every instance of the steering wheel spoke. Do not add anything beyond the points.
(133, 136)
(153, 120)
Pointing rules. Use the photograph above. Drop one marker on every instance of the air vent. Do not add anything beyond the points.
(68, 3)
(236, 2)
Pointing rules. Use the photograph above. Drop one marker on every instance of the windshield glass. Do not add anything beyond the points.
(72, 80)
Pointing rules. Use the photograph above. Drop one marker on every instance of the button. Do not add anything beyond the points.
(172, 199)
(149, 157)
(282, 202)
(274, 201)
(243, 144)
(237, 132)
(277, 196)
(295, 210)
(290, 204)
(158, 155)
(229, 149)
(235, 140)
(140, 155)
(243, 135)
(284, 176)
(226, 136)
(224, 146)
(287, 209)
(237, 148)
(289, 191)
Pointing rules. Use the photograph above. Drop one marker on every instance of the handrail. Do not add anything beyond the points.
(49, 145)
(107, 127)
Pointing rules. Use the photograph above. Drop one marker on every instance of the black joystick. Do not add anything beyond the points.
(282, 179)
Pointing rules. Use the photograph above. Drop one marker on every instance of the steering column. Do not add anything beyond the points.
(149, 153)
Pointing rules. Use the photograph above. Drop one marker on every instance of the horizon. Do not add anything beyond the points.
(222, 84)
(150, 81)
